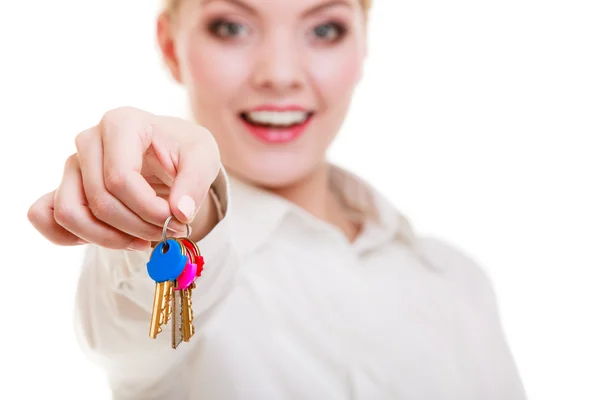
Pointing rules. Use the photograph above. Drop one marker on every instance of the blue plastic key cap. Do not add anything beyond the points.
(167, 261)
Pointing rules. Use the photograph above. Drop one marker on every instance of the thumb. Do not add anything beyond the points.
(196, 171)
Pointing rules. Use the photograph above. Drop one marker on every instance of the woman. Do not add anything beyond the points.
(314, 286)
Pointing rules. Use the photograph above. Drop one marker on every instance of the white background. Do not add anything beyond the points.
(479, 119)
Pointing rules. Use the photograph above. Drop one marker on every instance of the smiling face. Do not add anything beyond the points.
(271, 79)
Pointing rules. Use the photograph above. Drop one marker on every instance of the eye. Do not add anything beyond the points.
(329, 32)
(227, 29)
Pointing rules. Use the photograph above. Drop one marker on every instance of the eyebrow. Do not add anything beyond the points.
(323, 6)
(238, 3)
(313, 10)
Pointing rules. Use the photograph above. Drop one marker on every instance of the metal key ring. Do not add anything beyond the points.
(164, 232)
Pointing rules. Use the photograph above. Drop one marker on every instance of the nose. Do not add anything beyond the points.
(278, 65)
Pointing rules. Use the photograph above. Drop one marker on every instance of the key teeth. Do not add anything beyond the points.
(161, 309)
(167, 307)
(177, 331)
(183, 328)
(188, 315)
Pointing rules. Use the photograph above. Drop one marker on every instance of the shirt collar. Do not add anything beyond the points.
(382, 220)
(256, 214)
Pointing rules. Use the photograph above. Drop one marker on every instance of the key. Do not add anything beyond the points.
(173, 268)
(177, 320)
(188, 276)
(157, 309)
(186, 283)
(155, 320)
(167, 261)
(161, 309)
(167, 306)
(192, 247)
(187, 313)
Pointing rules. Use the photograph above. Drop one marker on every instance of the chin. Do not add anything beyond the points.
(276, 170)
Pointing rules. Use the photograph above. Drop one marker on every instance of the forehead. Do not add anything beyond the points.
(280, 6)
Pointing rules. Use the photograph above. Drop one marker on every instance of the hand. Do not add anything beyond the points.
(130, 172)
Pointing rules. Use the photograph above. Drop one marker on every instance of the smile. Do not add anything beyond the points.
(274, 124)
(276, 119)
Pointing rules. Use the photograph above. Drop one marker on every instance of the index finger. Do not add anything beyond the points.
(126, 137)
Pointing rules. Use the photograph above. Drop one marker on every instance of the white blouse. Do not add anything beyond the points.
(287, 308)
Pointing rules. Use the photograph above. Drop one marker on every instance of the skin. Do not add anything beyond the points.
(230, 56)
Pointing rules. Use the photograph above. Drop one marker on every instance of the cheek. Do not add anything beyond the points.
(214, 75)
(336, 72)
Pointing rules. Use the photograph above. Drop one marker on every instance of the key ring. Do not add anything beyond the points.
(164, 232)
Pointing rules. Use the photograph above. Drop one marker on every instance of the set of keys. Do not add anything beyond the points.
(174, 265)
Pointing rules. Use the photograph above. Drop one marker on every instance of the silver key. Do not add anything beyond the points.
(176, 319)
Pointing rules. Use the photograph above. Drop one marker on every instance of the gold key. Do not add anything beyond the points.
(160, 297)
(187, 313)
(167, 306)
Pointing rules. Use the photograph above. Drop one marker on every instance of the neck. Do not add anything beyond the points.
(314, 194)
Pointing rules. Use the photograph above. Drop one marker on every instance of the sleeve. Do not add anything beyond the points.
(475, 293)
(114, 304)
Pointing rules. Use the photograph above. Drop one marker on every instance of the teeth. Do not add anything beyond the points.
(277, 118)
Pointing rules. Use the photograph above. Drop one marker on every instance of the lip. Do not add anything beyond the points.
(279, 107)
(278, 135)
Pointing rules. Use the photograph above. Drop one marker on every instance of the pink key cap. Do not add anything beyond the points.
(187, 277)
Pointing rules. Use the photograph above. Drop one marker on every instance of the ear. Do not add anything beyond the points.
(166, 42)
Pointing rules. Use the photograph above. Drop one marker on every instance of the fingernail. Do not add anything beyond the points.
(187, 206)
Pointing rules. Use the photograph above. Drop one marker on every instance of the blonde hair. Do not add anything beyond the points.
(172, 5)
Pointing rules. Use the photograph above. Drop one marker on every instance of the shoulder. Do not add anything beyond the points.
(456, 266)
(446, 256)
